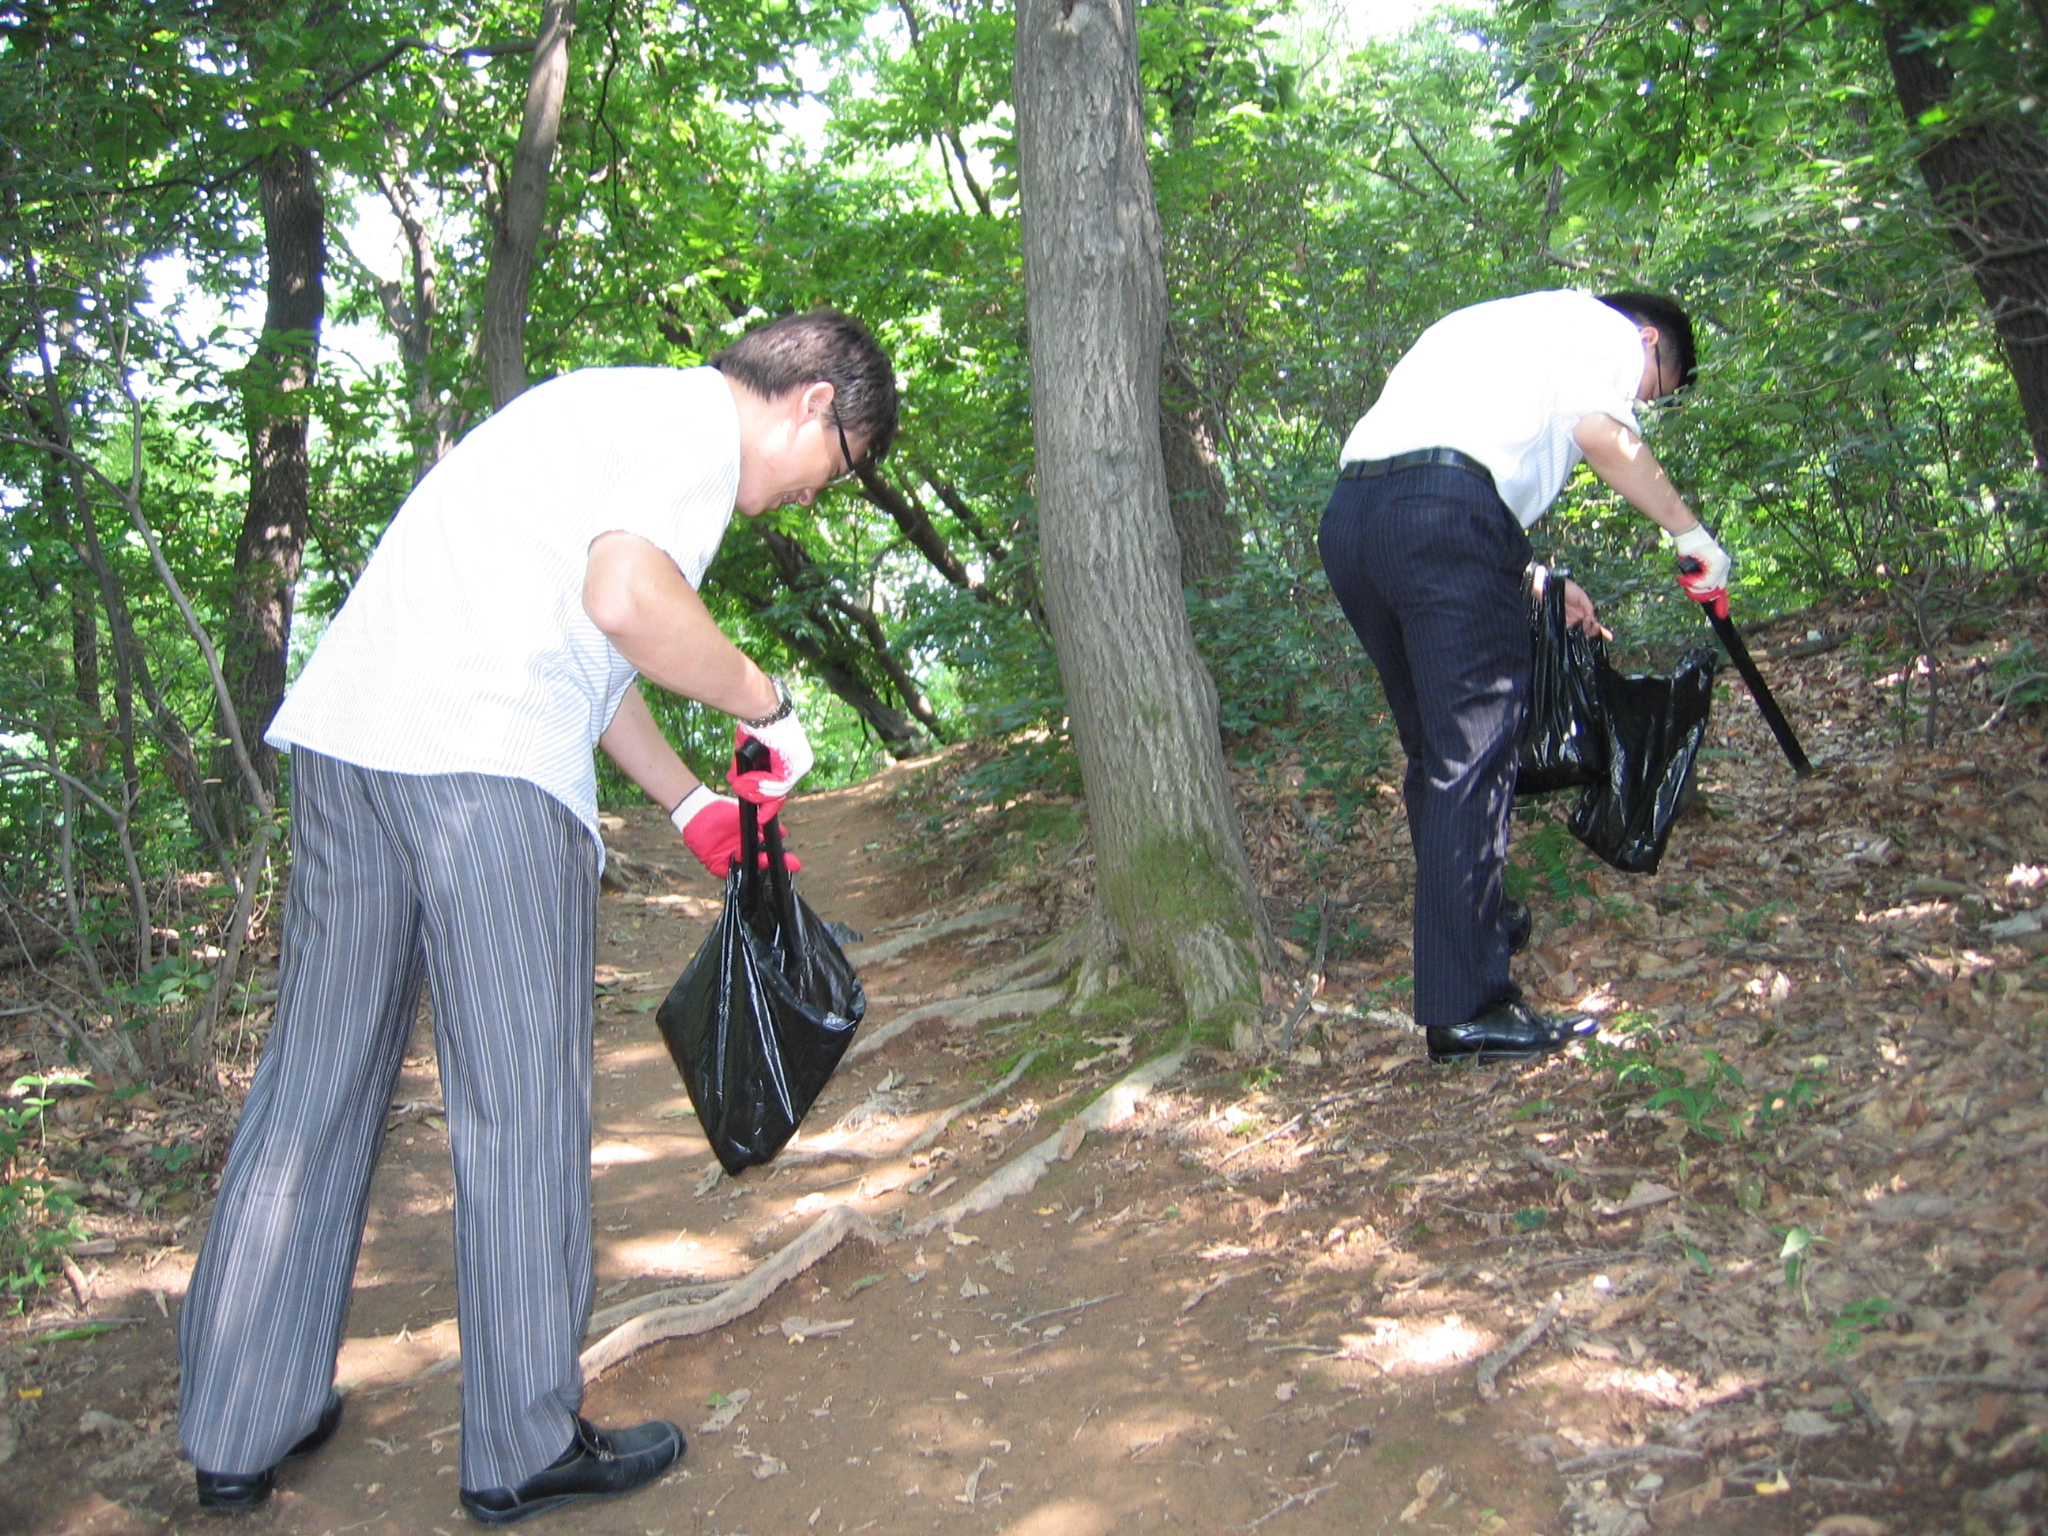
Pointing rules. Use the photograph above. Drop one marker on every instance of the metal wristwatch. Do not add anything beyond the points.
(785, 706)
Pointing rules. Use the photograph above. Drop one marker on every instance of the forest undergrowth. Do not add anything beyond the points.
(1781, 1222)
(1788, 1204)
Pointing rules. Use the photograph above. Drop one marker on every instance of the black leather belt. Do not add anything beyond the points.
(1372, 469)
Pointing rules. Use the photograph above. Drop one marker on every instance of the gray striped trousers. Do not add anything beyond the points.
(487, 887)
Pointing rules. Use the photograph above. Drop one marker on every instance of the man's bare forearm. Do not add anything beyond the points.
(1622, 459)
(643, 754)
(634, 593)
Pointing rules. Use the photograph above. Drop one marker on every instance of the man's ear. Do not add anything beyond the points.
(816, 398)
(1651, 336)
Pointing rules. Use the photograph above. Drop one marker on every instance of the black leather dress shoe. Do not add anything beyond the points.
(599, 1464)
(1509, 1030)
(233, 1492)
(1520, 925)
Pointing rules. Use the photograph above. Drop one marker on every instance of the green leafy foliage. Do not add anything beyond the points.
(37, 1221)
(1856, 421)
(1548, 859)
(1848, 1326)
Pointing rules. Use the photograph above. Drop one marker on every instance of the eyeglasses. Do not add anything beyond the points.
(1663, 397)
(846, 451)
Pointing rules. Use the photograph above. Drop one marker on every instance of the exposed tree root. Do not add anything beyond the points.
(686, 1310)
(625, 1311)
(623, 872)
(1515, 1348)
(1022, 1172)
(966, 922)
(736, 1300)
(946, 1117)
(961, 1013)
(1045, 964)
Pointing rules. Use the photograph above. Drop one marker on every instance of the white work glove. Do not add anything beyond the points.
(1703, 567)
(789, 755)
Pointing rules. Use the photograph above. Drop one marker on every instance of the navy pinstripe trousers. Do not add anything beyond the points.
(487, 887)
(1428, 564)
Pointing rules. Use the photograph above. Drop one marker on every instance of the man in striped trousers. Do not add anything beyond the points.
(444, 832)
(1475, 433)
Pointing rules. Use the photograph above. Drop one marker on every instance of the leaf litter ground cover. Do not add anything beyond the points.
(1766, 1257)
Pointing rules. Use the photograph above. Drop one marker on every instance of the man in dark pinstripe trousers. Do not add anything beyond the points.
(444, 831)
(1467, 446)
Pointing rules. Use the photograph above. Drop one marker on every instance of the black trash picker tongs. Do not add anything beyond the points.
(1766, 703)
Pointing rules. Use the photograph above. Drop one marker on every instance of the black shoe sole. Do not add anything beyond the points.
(537, 1507)
(238, 1504)
(1449, 1058)
(484, 1515)
(255, 1494)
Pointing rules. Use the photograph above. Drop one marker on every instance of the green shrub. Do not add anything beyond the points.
(37, 1221)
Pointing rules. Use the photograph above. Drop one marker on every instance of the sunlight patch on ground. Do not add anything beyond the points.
(1064, 1517)
(381, 1359)
(669, 1256)
(1403, 1346)
(1672, 1388)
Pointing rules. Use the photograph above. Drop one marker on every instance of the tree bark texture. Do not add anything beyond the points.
(1208, 535)
(519, 218)
(272, 543)
(1172, 874)
(1988, 177)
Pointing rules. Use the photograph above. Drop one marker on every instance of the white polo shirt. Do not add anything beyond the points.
(464, 646)
(1506, 382)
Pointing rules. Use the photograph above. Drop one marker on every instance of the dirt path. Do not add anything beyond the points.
(1781, 1228)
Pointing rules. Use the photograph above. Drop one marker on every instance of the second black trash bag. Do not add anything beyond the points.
(1629, 741)
(1653, 728)
(758, 1022)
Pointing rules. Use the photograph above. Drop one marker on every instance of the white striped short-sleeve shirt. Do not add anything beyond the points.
(464, 647)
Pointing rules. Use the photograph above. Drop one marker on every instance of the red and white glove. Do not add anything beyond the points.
(1703, 567)
(789, 755)
(710, 824)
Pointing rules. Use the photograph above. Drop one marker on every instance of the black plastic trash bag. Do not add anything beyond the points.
(758, 1022)
(1654, 727)
(1562, 746)
(1631, 742)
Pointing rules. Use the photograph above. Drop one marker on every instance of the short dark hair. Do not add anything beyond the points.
(821, 346)
(1672, 323)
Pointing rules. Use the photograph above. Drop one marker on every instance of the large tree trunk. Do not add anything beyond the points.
(1172, 875)
(1988, 177)
(522, 210)
(272, 543)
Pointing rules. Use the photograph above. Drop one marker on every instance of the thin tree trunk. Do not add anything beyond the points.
(414, 323)
(1989, 181)
(1171, 868)
(518, 221)
(1209, 537)
(78, 597)
(272, 544)
(131, 662)
(809, 585)
(915, 523)
(832, 661)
